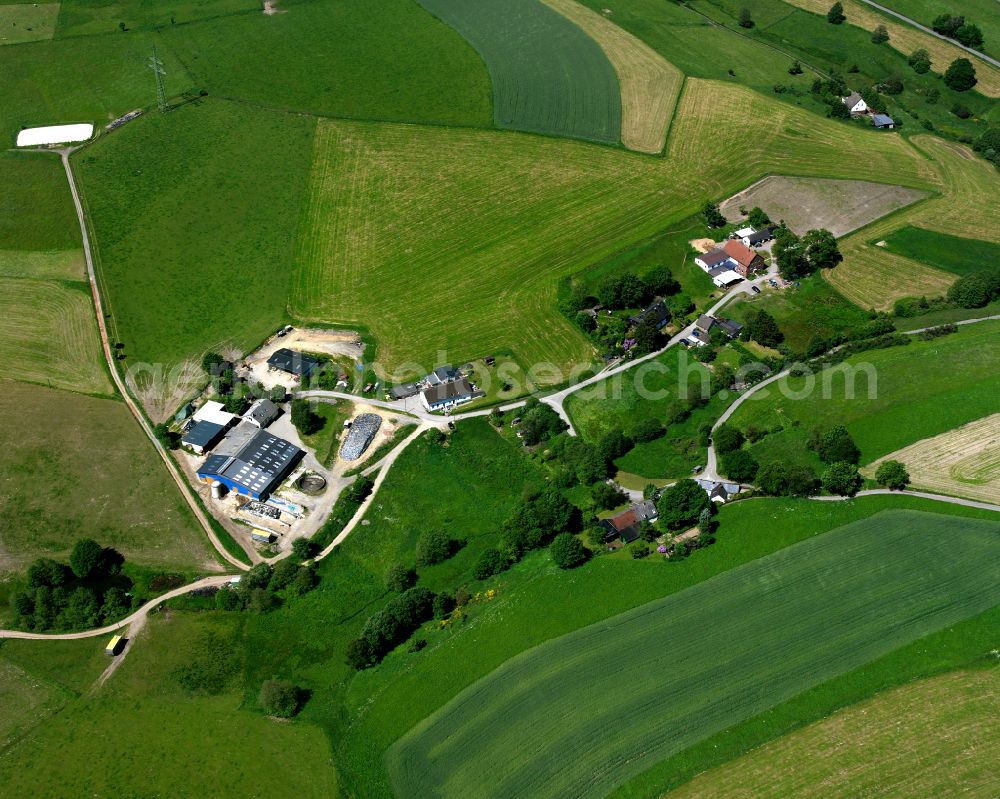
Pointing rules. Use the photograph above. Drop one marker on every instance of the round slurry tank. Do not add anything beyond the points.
(312, 483)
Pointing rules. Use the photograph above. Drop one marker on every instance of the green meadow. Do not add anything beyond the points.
(886, 398)
(765, 632)
(950, 253)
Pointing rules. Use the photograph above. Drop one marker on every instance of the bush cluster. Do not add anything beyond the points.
(390, 626)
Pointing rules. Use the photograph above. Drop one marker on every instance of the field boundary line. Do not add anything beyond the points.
(120, 383)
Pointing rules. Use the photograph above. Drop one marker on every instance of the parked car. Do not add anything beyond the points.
(756, 289)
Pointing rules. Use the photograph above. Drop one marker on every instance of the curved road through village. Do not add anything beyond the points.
(556, 400)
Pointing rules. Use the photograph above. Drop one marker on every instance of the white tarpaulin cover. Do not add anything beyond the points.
(54, 134)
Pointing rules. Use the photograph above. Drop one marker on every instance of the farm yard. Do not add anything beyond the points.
(964, 462)
(548, 75)
(72, 464)
(649, 85)
(876, 584)
(839, 206)
(920, 392)
(382, 199)
(911, 741)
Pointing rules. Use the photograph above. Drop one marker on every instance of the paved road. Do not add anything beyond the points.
(138, 615)
(934, 33)
(968, 503)
(122, 389)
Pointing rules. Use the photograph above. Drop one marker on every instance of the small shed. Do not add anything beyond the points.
(114, 646)
(883, 121)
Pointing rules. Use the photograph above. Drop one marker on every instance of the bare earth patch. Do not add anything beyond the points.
(963, 462)
(840, 206)
(270, 10)
(702, 245)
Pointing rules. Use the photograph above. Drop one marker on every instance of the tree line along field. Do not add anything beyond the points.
(180, 694)
(906, 39)
(860, 751)
(955, 254)
(874, 277)
(380, 222)
(548, 75)
(981, 12)
(71, 468)
(921, 390)
(765, 632)
(963, 462)
(648, 84)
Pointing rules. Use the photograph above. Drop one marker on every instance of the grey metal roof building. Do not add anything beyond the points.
(250, 461)
(447, 394)
(202, 436)
(262, 413)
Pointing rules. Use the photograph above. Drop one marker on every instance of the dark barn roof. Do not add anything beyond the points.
(202, 435)
(296, 363)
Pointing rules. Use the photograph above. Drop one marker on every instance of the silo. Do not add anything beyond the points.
(216, 489)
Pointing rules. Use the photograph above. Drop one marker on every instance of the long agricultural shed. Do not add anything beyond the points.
(54, 134)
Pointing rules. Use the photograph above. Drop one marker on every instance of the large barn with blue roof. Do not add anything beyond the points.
(250, 461)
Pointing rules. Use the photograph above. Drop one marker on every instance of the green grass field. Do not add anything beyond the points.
(148, 736)
(82, 17)
(814, 308)
(195, 214)
(950, 253)
(548, 75)
(916, 395)
(36, 210)
(72, 467)
(910, 742)
(645, 393)
(346, 58)
(27, 22)
(382, 224)
(766, 632)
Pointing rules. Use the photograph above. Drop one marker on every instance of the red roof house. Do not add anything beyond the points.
(747, 261)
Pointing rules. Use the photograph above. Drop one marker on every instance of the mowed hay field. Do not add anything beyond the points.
(905, 38)
(919, 390)
(626, 693)
(48, 335)
(548, 75)
(874, 277)
(454, 240)
(649, 85)
(964, 462)
(75, 466)
(931, 739)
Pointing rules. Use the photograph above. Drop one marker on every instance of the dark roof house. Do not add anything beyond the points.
(705, 323)
(729, 327)
(403, 391)
(293, 362)
(658, 311)
(443, 374)
(262, 413)
(250, 461)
